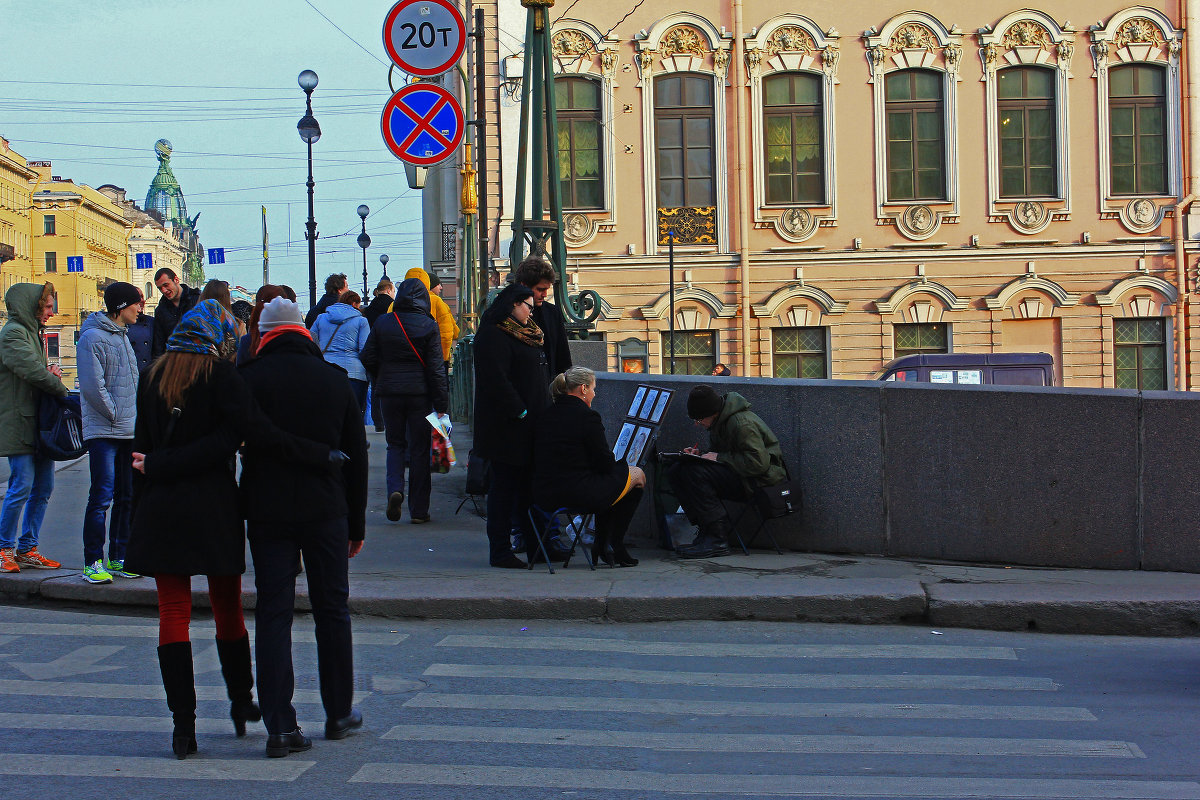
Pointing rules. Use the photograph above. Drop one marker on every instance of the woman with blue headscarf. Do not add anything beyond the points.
(194, 410)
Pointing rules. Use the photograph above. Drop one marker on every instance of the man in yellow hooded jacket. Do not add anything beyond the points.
(441, 313)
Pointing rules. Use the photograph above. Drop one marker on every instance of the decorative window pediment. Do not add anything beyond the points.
(1157, 292)
(660, 309)
(1014, 295)
(945, 298)
(1138, 36)
(916, 41)
(794, 292)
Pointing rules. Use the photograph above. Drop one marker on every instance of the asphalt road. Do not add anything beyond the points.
(531, 710)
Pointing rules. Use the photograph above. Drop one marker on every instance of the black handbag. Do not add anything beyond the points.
(479, 474)
(60, 428)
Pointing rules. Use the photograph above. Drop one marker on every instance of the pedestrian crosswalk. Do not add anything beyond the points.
(629, 713)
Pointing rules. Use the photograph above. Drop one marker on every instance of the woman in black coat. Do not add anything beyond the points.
(574, 467)
(193, 411)
(403, 354)
(511, 379)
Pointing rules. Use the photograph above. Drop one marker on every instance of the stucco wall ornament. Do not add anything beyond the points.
(570, 44)
(578, 229)
(918, 222)
(1029, 216)
(792, 39)
(1139, 31)
(797, 224)
(1027, 33)
(913, 36)
(1141, 215)
(608, 62)
(1066, 51)
(720, 62)
(683, 40)
(830, 59)
(754, 57)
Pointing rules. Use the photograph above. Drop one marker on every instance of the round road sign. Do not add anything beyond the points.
(424, 37)
(422, 124)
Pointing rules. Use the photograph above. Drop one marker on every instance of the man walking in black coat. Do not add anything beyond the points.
(539, 276)
(177, 299)
(294, 510)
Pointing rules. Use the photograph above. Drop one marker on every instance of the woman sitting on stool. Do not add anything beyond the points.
(574, 467)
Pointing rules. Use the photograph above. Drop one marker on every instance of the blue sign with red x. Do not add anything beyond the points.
(422, 124)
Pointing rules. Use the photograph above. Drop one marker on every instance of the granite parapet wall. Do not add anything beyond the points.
(1056, 477)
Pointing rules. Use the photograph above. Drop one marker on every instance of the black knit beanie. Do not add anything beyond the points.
(703, 401)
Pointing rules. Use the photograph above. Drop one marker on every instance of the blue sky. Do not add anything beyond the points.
(92, 86)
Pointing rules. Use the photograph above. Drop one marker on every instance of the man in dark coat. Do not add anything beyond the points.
(404, 356)
(385, 293)
(539, 276)
(177, 299)
(335, 284)
(292, 510)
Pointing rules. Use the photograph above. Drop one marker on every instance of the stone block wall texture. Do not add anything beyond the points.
(1056, 477)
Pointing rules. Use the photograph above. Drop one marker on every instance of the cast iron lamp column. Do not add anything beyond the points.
(310, 132)
(364, 242)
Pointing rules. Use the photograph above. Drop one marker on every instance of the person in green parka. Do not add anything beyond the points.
(23, 373)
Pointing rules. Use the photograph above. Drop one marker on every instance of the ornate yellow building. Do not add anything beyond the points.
(81, 245)
(864, 180)
(16, 232)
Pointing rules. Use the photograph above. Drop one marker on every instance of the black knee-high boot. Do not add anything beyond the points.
(175, 663)
(239, 680)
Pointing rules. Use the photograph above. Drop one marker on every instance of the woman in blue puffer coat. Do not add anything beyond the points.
(341, 333)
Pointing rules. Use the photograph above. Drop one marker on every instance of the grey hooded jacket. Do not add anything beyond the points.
(108, 379)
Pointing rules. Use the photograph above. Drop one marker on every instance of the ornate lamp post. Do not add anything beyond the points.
(310, 132)
(383, 259)
(364, 242)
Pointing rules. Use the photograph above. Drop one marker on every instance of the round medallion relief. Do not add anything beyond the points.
(918, 222)
(578, 229)
(797, 223)
(1141, 215)
(1030, 216)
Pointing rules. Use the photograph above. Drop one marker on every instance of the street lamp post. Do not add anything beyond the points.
(364, 242)
(383, 259)
(310, 132)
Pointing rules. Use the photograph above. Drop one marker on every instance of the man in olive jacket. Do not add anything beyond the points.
(744, 454)
(23, 373)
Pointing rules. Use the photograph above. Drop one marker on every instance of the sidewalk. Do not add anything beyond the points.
(440, 571)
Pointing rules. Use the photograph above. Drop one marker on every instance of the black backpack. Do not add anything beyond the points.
(60, 428)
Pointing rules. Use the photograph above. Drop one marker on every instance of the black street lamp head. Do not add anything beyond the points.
(363, 210)
(309, 130)
(364, 241)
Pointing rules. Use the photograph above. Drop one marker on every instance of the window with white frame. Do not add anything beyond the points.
(580, 155)
(916, 135)
(683, 122)
(793, 138)
(1026, 131)
(1137, 110)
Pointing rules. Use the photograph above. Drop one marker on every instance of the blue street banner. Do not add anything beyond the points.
(144, 260)
(74, 263)
(216, 255)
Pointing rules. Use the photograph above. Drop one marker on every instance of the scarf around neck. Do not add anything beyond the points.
(276, 332)
(529, 333)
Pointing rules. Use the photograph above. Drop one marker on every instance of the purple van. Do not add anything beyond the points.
(1003, 369)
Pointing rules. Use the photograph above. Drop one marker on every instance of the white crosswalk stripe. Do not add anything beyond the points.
(108, 691)
(124, 767)
(766, 743)
(109, 722)
(723, 650)
(151, 631)
(735, 708)
(643, 782)
(736, 679)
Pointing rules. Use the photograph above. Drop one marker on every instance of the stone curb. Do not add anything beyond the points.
(1049, 608)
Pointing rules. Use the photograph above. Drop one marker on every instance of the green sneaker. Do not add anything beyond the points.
(118, 568)
(95, 573)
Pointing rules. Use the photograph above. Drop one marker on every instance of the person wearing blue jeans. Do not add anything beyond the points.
(108, 379)
(23, 373)
(30, 482)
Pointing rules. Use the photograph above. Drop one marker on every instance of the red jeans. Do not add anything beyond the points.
(175, 607)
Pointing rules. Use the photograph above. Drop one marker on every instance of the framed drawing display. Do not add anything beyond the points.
(623, 438)
(637, 447)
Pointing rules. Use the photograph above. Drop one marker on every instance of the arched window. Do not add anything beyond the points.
(1138, 132)
(580, 172)
(916, 133)
(1027, 132)
(792, 112)
(683, 133)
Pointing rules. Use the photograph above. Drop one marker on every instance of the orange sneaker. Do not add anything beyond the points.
(35, 560)
(7, 563)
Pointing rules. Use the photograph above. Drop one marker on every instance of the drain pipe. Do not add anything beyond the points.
(1181, 357)
(743, 176)
(1190, 13)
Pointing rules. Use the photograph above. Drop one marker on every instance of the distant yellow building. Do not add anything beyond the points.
(16, 233)
(148, 236)
(81, 244)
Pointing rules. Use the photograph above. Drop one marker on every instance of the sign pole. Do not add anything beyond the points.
(485, 251)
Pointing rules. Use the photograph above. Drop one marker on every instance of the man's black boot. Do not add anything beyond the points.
(713, 541)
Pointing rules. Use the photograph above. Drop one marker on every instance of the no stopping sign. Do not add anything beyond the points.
(424, 37)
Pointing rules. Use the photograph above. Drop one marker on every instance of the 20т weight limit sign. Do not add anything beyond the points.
(424, 37)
